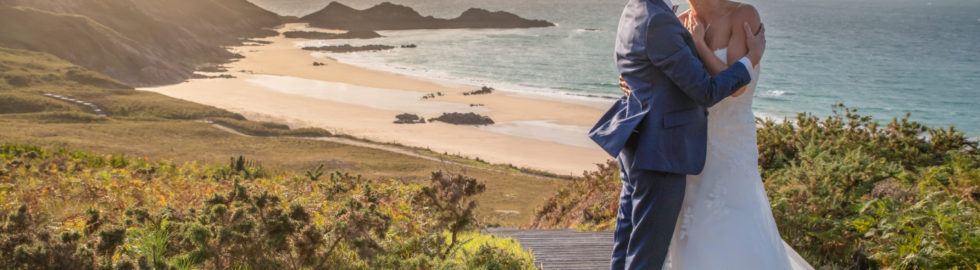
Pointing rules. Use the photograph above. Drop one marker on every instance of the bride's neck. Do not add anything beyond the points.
(707, 9)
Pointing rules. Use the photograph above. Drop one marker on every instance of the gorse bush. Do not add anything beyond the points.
(450, 199)
(846, 192)
(590, 204)
(76, 210)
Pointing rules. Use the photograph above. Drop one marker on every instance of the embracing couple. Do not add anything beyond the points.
(685, 138)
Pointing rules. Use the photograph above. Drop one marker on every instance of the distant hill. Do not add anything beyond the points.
(388, 16)
(140, 42)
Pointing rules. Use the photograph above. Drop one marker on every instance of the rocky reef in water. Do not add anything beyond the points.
(346, 48)
(356, 34)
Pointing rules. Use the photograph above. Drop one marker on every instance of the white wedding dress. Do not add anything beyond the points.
(726, 221)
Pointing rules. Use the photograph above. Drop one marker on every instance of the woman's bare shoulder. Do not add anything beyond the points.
(745, 13)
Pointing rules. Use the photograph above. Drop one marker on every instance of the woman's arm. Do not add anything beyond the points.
(737, 46)
(698, 30)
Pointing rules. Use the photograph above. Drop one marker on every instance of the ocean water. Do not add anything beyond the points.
(883, 57)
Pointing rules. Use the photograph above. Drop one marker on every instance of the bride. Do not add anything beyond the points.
(726, 221)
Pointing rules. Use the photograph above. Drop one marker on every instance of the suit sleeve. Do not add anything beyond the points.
(666, 49)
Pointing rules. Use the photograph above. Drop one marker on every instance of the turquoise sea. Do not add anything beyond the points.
(883, 57)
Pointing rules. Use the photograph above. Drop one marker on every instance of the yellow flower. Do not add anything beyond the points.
(163, 200)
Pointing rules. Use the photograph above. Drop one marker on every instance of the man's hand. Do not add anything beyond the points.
(756, 43)
(623, 86)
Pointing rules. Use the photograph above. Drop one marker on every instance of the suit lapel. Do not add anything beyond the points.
(687, 36)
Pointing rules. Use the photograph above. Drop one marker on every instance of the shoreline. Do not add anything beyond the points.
(277, 81)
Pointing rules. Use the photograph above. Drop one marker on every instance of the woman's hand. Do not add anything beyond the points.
(623, 86)
(697, 29)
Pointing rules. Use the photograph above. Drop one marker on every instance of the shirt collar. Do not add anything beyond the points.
(671, 6)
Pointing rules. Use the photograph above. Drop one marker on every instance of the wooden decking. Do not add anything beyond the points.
(564, 249)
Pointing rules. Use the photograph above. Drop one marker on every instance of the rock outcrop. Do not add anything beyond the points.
(388, 16)
(407, 118)
(464, 119)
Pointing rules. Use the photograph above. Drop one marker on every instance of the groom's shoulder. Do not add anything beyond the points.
(645, 8)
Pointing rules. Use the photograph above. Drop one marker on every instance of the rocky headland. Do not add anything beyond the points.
(388, 16)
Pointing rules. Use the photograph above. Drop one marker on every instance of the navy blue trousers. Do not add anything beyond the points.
(648, 210)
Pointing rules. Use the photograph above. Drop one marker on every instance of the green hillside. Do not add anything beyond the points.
(145, 42)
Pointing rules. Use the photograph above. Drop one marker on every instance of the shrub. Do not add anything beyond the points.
(450, 199)
(590, 204)
(158, 215)
(845, 191)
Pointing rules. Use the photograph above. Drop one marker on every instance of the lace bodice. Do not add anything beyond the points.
(734, 109)
(731, 123)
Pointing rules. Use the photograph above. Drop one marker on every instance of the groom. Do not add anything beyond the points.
(659, 130)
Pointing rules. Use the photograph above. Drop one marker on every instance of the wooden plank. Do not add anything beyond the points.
(563, 249)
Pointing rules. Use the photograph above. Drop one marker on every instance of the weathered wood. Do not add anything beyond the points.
(564, 249)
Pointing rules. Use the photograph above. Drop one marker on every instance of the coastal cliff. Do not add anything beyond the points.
(388, 16)
(145, 42)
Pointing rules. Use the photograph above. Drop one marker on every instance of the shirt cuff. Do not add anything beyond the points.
(748, 66)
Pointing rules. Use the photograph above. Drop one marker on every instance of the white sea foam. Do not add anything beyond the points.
(773, 93)
(376, 61)
(771, 116)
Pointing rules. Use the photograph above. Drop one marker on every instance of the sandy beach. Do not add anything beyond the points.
(278, 82)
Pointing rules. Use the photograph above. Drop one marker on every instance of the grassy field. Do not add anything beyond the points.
(142, 124)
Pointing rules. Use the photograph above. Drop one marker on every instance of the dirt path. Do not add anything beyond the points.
(95, 108)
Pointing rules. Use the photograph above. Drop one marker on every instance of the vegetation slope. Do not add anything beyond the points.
(63, 209)
(144, 42)
(846, 192)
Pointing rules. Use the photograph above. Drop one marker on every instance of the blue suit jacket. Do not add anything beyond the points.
(671, 89)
